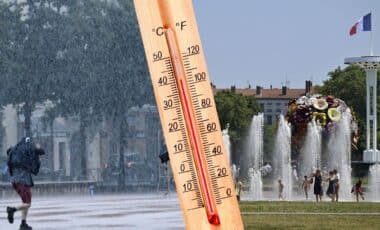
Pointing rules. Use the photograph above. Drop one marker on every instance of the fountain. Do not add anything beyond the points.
(311, 150)
(235, 172)
(339, 154)
(283, 168)
(255, 157)
(374, 183)
(227, 143)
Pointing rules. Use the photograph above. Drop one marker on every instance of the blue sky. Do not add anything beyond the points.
(268, 42)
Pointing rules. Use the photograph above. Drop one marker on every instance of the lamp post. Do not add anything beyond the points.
(371, 64)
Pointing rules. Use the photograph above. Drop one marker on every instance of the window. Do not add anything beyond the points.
(269, 119)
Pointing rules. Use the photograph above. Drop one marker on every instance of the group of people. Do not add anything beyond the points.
(316, 178)
(333, 187)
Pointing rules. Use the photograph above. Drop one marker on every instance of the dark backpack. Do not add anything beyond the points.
(9, 161)
(24, 156)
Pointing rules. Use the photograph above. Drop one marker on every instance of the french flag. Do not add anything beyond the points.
(364, 24)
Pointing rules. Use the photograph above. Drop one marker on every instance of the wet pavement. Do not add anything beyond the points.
(99, 212)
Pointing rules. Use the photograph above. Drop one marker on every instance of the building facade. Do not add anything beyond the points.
(273, 101)
(100, 162)
(144, 143)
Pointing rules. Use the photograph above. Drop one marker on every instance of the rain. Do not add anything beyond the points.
(74, 78)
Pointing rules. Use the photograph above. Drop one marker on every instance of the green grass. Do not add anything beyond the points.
(292, 219)
(294, 206)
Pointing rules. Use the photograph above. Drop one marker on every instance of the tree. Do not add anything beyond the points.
(349, 85)
(85, 56)
(29, 53)
(236, 110)
(106, 69)
(50, 114)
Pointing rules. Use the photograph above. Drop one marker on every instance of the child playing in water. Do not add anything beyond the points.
(306, 186)
(357, 190)
(238, 188)
(280, 190)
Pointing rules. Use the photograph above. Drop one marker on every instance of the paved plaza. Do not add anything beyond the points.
(99, 212)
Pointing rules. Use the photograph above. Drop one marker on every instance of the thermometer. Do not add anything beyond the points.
(188, 115)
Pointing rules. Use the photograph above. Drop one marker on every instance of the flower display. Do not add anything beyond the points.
(325, 110)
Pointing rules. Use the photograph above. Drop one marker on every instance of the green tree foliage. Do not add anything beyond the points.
(107, 71)
(349, 85)
(236, 110)
(29, 49)
(106, 66)
(85, 56)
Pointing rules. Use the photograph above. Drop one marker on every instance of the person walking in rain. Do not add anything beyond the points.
(23, 161)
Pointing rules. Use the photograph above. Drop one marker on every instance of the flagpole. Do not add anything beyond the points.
(371, 37)
(371, 45)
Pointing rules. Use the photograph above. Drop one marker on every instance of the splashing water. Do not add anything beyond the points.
(235, 172)
(227, 144)
(282, 156)
(374, 183)
(339, 154)
(255, 157)
(256, 185)
(311, 150)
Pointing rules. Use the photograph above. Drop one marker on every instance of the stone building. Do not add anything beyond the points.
(144, 143)
(101, 160)
(54, 137)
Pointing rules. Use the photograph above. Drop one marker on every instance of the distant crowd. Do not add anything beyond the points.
(315, 180)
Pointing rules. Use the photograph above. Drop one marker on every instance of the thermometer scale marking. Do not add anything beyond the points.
(175, 93)
(209, 200)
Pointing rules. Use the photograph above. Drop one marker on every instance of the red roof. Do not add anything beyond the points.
(274, 93)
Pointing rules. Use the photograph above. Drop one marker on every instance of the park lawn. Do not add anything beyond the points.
(282, 217)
